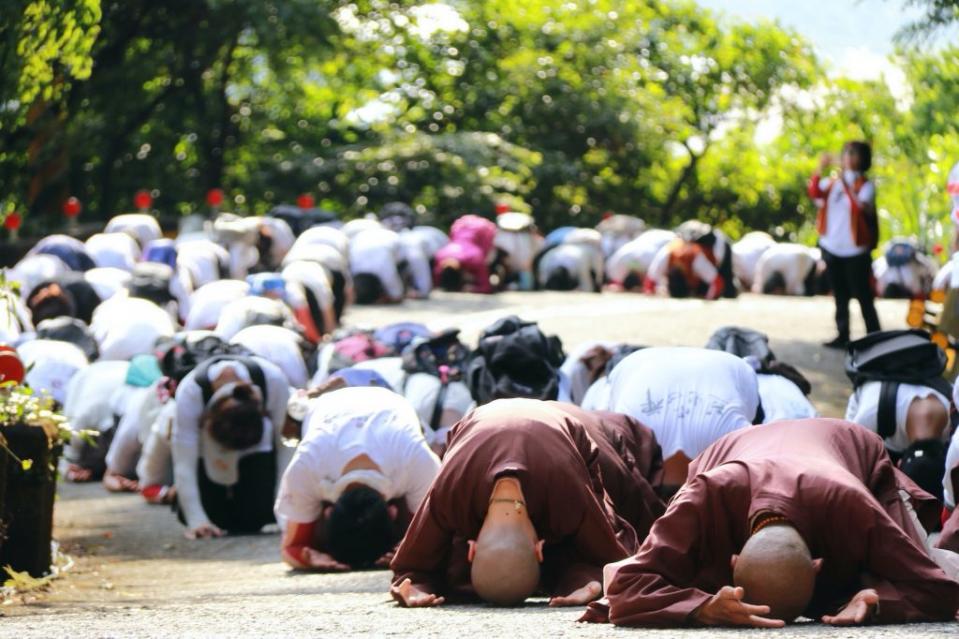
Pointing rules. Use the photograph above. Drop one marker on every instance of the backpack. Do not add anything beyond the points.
(514, 359)
(70, 329)
(894, 358)
(443, 356)
(900, 254)
(179, 355)
(742, 342)
(356, 347)
(399, 335)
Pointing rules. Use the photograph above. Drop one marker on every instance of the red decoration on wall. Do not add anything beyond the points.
(305, 201)
(72, 207)
(214, 197)
(142, 199)
(12, 221)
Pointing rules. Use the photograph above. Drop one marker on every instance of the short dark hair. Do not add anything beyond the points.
(450, 279)
(633, 280)
(368, 288)
(359, 530)
(861, 150)
(236, 421)
(676, 283)
(560, 280)
(924, 462)
(49, 301)
(775, 282)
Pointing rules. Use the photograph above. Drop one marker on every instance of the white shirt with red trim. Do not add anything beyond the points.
(838, 236)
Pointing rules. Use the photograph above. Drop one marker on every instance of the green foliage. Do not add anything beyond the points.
(567, 110)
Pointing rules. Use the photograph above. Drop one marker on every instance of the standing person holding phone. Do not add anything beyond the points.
(848, 231)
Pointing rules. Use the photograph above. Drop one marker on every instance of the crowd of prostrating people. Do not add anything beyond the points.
(625, 478)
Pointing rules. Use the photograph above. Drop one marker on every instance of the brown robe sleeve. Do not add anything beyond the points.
(911, 586)
(424, 552)
(653, 589)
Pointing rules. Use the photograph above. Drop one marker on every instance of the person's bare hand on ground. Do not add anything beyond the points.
(384, 561)
(859, 609)
(321, 562)
(203, 531)
(116, 483)
(579, 597)
(726, 608)
(78, 474)
(409, 596)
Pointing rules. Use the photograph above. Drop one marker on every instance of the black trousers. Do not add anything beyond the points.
(850, 279)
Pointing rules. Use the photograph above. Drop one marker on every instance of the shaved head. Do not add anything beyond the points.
(775, 569)
(505, 569)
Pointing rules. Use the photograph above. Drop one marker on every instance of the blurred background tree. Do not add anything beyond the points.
(567, 110)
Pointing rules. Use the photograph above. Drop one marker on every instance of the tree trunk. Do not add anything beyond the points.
(688, 172)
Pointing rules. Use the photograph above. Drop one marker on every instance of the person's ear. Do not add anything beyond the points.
(817, 565)
(393, 511)
(732, 561)
(539, 550)
(471, 550)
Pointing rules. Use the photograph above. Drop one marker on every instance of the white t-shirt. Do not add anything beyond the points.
(838, 236)
(283, 237)
(277, 345)
(576, 372)
(202, 259)
(107, 281)
(422, 391)
(702, 268)
(312, 276)
(144, 227)
(88, 403)
(577, 259)
(360, 225)
(689, 397)
(952, 461)
(418, 263)
(189, 444)
(117, 250)
(140, 411)
(242, 313)
(520, 246)
(863, 409)
(944, 279)
(782, 399)
(51, 364)
(33, 269)
(431, 238)
(129, 326)
(326, 236)
(637, 255)
(208, 301)
(746, 254)
(915, 276)
(378, 251)
(343, 425)
(793, 261)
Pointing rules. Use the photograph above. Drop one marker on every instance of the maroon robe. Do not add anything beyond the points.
(631, 463)
(548, 450)
(833, 481)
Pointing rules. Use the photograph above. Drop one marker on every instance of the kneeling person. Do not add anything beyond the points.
(362, 467)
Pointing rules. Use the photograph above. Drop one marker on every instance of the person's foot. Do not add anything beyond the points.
(839, 343)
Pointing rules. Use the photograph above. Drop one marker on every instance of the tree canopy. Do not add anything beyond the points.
(659, 108)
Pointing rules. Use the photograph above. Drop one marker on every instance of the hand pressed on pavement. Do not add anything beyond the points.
(203, 531)
(859, 609)
(410, 596)
(726, 608)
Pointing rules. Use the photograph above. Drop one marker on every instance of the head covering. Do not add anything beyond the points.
(361, 377)
(162, 251)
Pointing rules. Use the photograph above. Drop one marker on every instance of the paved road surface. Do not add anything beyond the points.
(137, 576)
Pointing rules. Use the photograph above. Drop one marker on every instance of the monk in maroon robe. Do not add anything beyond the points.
(786, 492)
(518, 507)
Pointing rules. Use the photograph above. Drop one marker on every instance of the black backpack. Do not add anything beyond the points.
(70, 329)
(894, 358)
(443, 356)
(514, 359)
(178, 356)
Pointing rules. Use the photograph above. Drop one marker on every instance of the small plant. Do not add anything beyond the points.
(20, 405)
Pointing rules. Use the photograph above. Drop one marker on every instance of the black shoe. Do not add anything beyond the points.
(839, 343)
